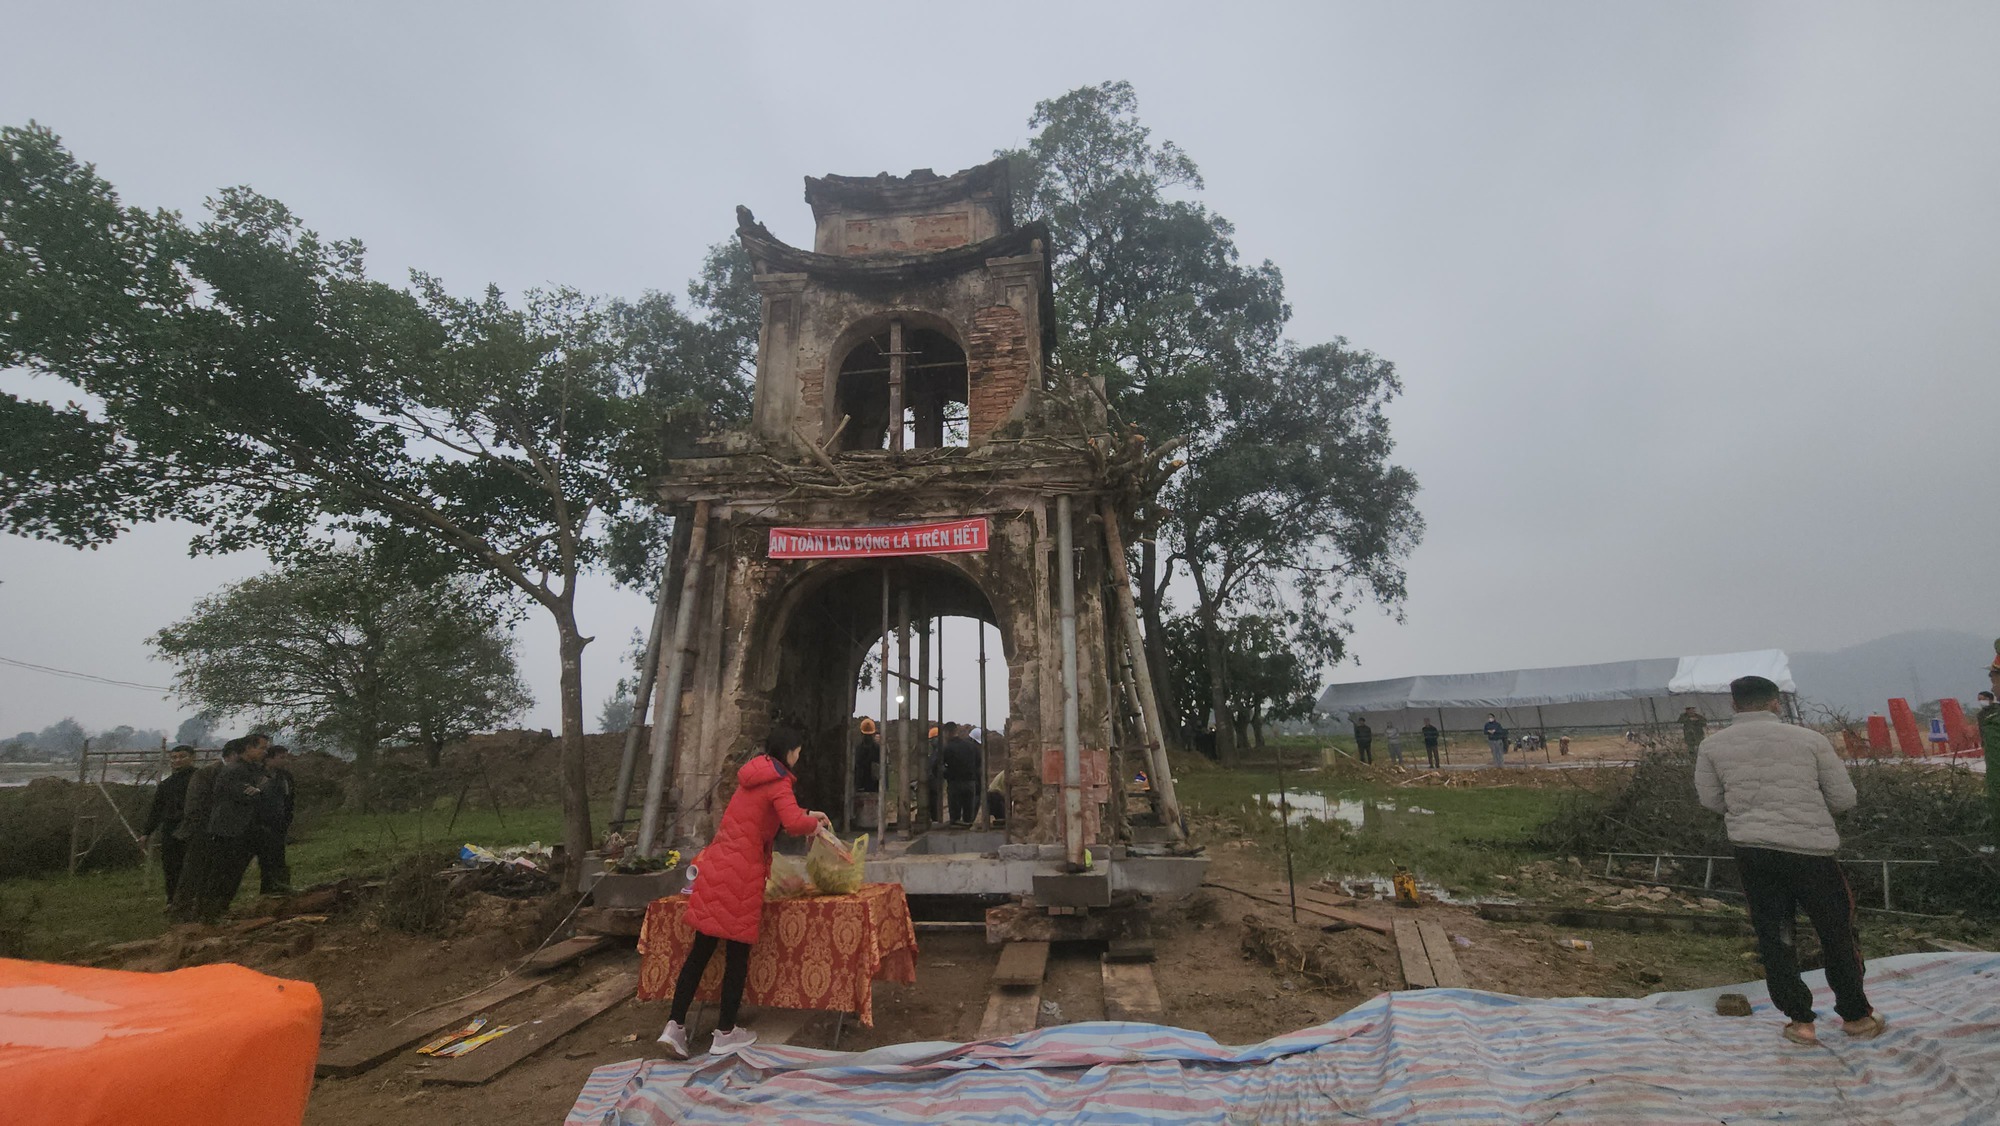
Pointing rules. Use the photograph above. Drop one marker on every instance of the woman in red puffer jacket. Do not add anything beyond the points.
(728, 900)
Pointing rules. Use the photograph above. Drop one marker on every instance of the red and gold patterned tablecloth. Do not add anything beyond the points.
(816, 952)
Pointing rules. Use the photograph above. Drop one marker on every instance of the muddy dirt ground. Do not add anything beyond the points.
(1208, 980)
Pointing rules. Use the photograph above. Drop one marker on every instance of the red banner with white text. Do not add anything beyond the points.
(943, 538)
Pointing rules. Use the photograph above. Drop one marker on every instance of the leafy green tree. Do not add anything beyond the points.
(195, 730)
(250, 377)
(1268, 678)
(62, 739)
(1150, 289)
(1289, 507)
(1293, 512)
(346, 651)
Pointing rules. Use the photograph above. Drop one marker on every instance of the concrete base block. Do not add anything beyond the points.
(1084, 890)
(1162, 877)
(1016, 922)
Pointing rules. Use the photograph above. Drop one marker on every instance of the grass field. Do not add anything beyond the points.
(69, 914)
(1455, 838)
(1469, 836)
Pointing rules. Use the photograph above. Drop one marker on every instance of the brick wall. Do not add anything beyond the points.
(996, 360)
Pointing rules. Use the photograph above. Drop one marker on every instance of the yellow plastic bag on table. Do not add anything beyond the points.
(835, 868)
(788, 878)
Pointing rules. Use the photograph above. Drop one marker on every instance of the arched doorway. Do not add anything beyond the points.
(832, 628)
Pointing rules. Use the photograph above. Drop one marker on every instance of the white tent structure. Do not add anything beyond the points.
(1619, 694)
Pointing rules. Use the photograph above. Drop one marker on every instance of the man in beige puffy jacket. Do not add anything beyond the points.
(1778, 787)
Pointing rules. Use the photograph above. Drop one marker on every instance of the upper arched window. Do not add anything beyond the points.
(933, 392)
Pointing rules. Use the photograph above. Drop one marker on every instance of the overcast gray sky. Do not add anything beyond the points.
(1696, 304)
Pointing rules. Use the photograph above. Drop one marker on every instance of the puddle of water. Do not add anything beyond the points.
(1381, 887)
(1359, 813)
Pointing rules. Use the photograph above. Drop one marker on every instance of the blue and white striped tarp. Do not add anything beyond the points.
(1431, 1056)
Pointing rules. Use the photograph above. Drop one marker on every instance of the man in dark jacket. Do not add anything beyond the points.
(1694, 728)
(1431, 744)
(169, 803)
(274, 825)
(1364, 739)
(232, 826)
(961, 774)
(193, 834)
(868, 760)
(1496, 739)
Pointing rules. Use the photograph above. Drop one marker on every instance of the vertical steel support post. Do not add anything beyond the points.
(1072, 739)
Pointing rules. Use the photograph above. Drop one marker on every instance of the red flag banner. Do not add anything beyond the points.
(942, 538)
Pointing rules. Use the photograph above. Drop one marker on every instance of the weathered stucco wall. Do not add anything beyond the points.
(780, 642)
(993, 312)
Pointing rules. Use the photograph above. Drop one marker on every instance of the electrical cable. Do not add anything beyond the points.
(74, 675)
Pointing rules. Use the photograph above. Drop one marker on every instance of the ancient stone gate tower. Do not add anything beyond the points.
(911, 454)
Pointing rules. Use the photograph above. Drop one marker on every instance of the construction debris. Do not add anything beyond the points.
(1306, 953)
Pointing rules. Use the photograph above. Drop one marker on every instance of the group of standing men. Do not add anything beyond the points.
(1364, 742)
(954, 763)
(215, 819)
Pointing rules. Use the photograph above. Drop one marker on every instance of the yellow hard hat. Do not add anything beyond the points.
(933, 732)
(867, 726)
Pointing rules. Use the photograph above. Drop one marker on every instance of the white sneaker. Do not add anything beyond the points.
(675, 1037)
(731, 1040)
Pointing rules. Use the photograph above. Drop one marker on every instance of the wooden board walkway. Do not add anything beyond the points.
(1132, 993)
(532, 1036)
(1022, 963)
(359, 1053)
(1015, 1004)
(1429, 962)
(1444, 959)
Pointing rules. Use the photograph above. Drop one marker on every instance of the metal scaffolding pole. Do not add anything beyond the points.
(1072, 739)
(882, 728)
(984, 818)
(900, 793)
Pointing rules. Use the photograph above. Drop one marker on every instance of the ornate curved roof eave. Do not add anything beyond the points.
(769, 254)
(921, 188)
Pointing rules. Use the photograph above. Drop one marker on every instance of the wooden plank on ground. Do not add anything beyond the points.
(359, 1053)
(1022, 963)
(1348, 918)
(622, 921)
(567, 951)
(497, 1056)
(1444, 960)
(1947, 946)
(1416, 964)
(1011, 1010)
(1131, 992)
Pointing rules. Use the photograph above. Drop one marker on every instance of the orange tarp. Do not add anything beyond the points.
(215, 1045)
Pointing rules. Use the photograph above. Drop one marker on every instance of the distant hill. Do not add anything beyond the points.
(1920, 665)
